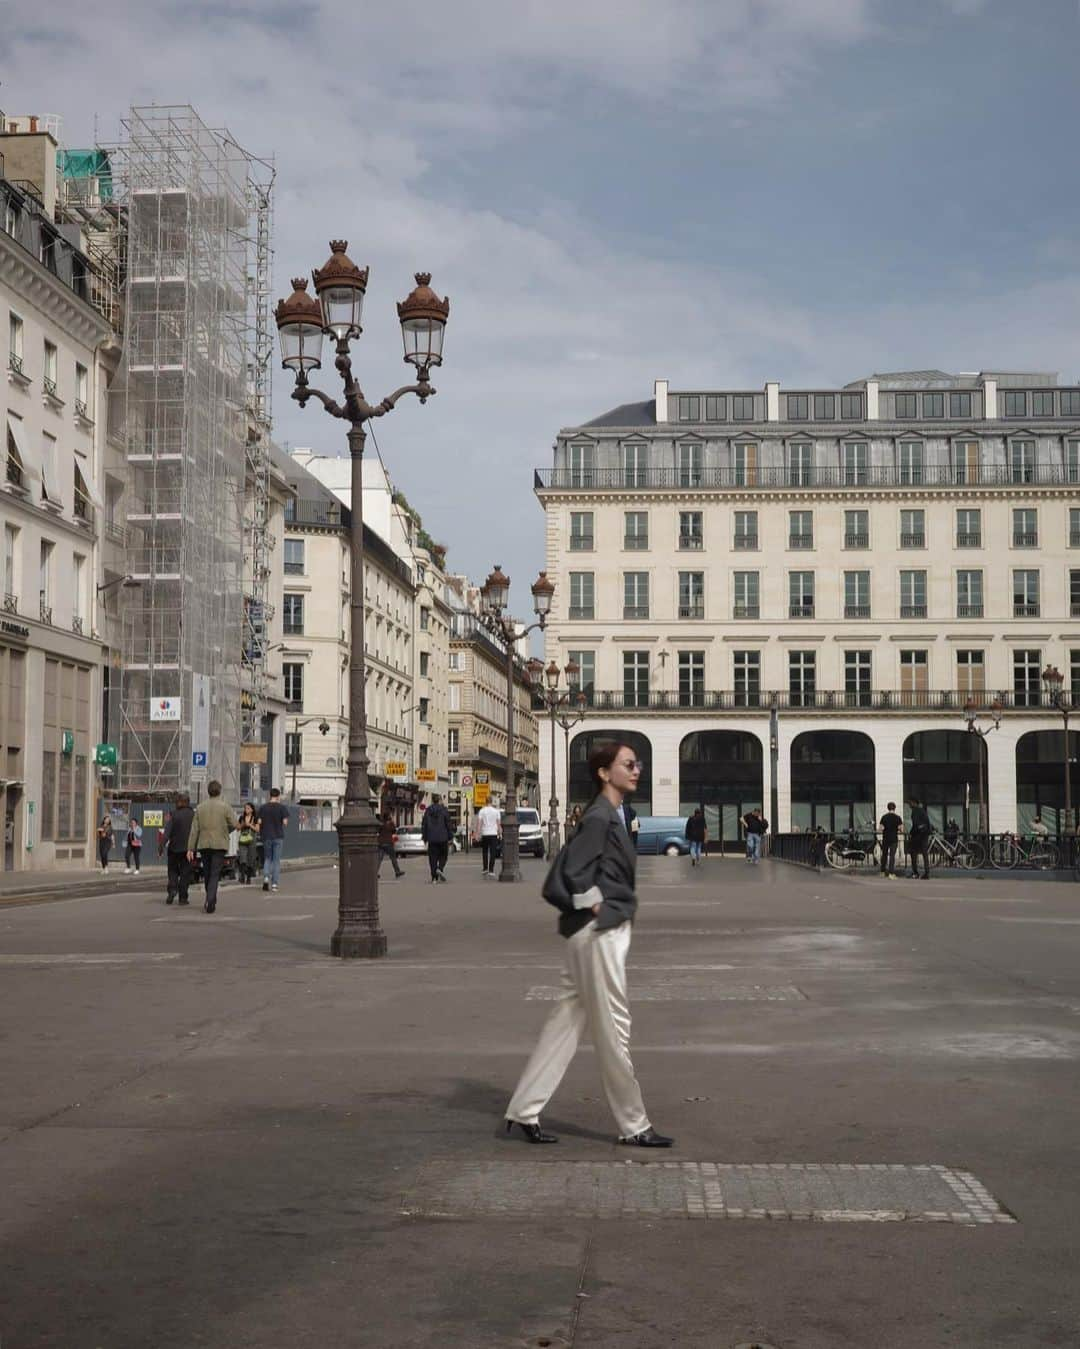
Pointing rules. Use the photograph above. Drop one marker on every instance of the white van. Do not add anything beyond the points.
(530, 832)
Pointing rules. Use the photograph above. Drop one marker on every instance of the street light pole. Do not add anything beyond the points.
(324, 727)
(496, 595)
(303, 322)
(1054, 681)
(553, 699)
(971, 712)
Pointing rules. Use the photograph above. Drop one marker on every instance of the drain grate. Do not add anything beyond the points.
(688, 990)
(814, 1192)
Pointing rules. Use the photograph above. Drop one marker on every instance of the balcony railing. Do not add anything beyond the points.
(45, 612)
(581, 543)
(49, 385)
(856, 611)
(1025, 539)
(914, 540)
(913, 611)
(582, 611)
(77, 624)
(14, 473)
(1074, 609)
(635, 611)
(635, 543)
(747, 611)
(1074, 538)
(1025, 610)
(800, 540)
(744, 542)
(969, 540)
(15, 364)
(931, 475)
(800, 611)
(951, 702)
(694, 542)
(294, 569)
(969, 611)
(856, 540)
(691, 610)
(80, 410)
(11, 604)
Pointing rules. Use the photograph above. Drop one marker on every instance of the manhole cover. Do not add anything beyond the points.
(807, 1192)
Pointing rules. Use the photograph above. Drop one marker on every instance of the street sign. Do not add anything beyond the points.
(105, 756)
(466, 779)
(481, 794)
(426, 775)
(200, 719)
(483, 778)
(397, 768)
(152, 819)
(198, 758)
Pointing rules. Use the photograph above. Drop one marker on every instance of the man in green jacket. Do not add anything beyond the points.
(210, 830)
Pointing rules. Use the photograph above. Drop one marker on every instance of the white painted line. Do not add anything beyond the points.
(93, 958)
(237, 918)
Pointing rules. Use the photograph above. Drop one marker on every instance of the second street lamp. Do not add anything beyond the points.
(557, 700)
(1054, 681)
(495, 593)
(971, 712)
(303, 323)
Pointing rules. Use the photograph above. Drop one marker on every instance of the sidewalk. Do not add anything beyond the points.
(21, 887)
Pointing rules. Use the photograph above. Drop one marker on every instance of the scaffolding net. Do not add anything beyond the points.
(191, 412)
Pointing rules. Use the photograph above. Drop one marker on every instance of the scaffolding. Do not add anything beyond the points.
(192, 412)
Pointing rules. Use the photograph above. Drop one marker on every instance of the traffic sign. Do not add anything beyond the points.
(198, 758)
(466, 779)
(483, 778)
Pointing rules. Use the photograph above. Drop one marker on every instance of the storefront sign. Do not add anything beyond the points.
(483, 778)
(253, 752)
(164, 709)
(481, 795)
(14, 629)
(397, 768)
(426, 775)
(105, 756)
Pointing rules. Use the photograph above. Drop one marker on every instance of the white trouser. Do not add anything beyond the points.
(593, 996)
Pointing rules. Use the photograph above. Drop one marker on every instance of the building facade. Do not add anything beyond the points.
(52, 658)
(315, 655)
(787, 599)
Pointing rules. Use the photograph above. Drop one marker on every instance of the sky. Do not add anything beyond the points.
(713, 192)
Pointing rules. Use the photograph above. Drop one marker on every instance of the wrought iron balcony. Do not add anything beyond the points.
(80, 410)
(1074, 538)
(856, 611)
(856, 540)
(747, 611)
(913, 611)
(635, 542)
(11, 604)
(744, 542)
(732, 477)
(635, 611)
(45, 612)
(294, 569)
(949, 702)
(581, 543)
(15, 364)
(582, 611)
(800, 540)
(969, 540)
(800, 611)
(77, 624)
(694, 542)
(969, 611)
(1025, 610)
(49, 386)
(692, 610)
(913, 540)
(1025, 538)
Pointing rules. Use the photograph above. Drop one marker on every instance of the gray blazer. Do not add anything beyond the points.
(597, 866)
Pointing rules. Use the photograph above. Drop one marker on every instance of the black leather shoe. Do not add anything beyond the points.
(533, 1132)
(184, 901)
(648, 1138)
(168, 899)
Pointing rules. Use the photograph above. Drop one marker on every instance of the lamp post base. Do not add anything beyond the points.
(511, 863)
(358, 935)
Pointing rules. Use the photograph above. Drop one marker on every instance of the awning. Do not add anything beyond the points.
(84, 485)
(31, 462)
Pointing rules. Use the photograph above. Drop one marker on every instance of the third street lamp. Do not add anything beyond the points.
(558, 701)
(1054, 681)
(302, 323)
(495, 593)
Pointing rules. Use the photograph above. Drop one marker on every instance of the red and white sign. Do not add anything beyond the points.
(466, 779)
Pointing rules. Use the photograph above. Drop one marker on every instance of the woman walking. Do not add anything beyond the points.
(132, 847)
(104, 841)
(592, 883)
(247, 845)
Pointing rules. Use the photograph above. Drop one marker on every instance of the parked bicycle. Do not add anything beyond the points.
(959, 852)
(1008, 851)
(848, 851)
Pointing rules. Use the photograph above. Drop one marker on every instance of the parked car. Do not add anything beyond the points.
(530, 832)
(410, 842)
(662, 834)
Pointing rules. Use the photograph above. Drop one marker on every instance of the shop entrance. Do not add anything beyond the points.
(723, 773)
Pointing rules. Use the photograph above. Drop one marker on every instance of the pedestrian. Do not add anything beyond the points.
(132, 847)
(436, 831)
(489, 828)
(174, 843)
(104, 841)
(247, 844)
(892, 826)
(697, 832)
(591, 882)
(918, 839)
(818, 841)
(273, 818)
(756, 826)
(210, 830)
(1039, 831)
(952, 833)
(388, 842)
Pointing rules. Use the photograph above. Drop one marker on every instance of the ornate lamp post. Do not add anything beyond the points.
(302, 324)
(496, 596)
(971, 712)
(1054, 680)
(557, 700)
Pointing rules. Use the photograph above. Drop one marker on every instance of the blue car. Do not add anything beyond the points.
(662, 834)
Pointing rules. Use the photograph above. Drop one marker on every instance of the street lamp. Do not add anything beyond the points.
(302, 323)
(324, 728)
(971, 712)
(557, 700)
(495, 593)
(1054, 681)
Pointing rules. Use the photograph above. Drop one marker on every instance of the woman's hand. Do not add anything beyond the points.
(595, 909)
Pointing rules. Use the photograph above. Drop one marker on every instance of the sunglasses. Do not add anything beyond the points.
(633, 765)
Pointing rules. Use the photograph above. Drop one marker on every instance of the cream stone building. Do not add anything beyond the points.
(53, 628)
(786, 598)
(315, 654)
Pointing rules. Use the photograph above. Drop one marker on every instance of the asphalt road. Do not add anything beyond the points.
(213, 1134)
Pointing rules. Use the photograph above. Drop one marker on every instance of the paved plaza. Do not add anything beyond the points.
(212, 1134)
